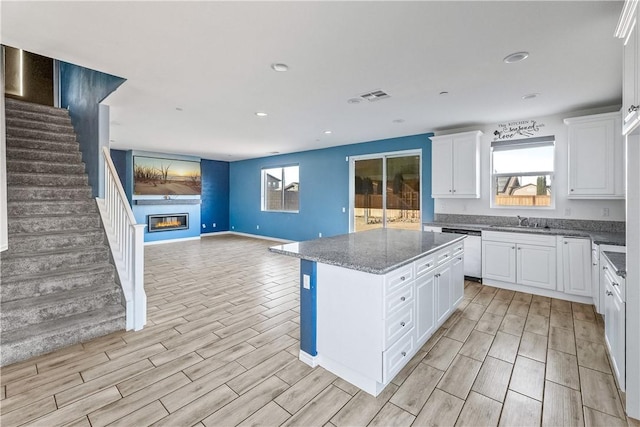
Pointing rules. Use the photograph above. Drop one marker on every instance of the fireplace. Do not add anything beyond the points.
(167, 222)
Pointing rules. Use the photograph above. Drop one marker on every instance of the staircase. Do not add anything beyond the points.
(57, 282)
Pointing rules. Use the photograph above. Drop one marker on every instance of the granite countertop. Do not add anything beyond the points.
(374, 251)
(619, 262)
(598, 237)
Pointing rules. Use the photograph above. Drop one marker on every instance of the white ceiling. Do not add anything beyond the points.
(212, 59)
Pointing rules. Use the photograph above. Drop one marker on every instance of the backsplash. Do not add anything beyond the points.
(569, 224)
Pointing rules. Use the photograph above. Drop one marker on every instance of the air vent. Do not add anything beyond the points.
(375, 95)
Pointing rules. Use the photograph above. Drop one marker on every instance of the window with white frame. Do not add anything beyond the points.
(281, 189)
(522, 172)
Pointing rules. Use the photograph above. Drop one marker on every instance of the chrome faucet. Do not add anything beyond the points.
(523, 222)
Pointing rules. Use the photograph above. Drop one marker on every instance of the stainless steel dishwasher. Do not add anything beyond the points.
(472, 252)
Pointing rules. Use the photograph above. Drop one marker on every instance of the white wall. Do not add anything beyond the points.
(4, 239)
(564, 208)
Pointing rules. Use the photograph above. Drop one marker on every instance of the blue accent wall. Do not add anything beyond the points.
(324, 189)
(81, 90)
(215, 196)
(308, 308)
(119, 159)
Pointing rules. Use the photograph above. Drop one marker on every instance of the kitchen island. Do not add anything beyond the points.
(370, 300)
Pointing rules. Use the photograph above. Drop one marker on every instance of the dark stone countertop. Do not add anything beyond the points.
(598, 237)
(374, 251)
(619, 262)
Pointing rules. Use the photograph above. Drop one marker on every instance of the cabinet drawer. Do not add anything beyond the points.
(399, 300)
(397, 279)
(425, 264)
(394, 359)
(397, 325)
(442, 257)
(617, 283)
(458, 248)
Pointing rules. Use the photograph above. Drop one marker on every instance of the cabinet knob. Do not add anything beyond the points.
(454, 190)
(634, 108)
(519, 249)
(402, 324)
(449, 191)
(604, 267)
(402, 278)
(402, 298)
(595, 263)
(459, 259)
(446, 255)
(404, 353)
(609, 293)
(572, 189)
(615, 284)
(437, 275)
(566, 243)
(513, 247)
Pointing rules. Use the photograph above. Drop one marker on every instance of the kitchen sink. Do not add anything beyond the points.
(522, 228)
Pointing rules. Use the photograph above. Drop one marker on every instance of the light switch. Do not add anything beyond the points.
(306, 281)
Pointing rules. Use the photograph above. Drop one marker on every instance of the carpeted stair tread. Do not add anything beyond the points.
(38, 124)
(35, 116)
(25, 264)
(40, 144)
(32, 192)
(46, 180)
(42, 155)
(47, 135)
(21, 344)
(15, 105)
(25, 208)
(46, 223)
(54, 240)
(45, 167)
(19, 287)
(45, 308)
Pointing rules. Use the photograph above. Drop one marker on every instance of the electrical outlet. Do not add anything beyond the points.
(204, 226)
(344, 209)
(214, 225)
(319, 234)
(567, 211)
(605, 211)
(233, 227)
(257, 227)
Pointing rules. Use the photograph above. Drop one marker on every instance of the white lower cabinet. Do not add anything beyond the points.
(576, 256)
(519, 259)
(369, 326)
(615, 321)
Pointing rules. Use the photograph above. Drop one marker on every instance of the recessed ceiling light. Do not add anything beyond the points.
(274, 152)
(279, 67)
(516, 57)
(261, 114)
(530, 96)
(443, 93)
(354, 101)
(398, 121)
(179, 109)
(327, 132)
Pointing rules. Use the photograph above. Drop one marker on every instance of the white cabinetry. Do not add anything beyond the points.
(369, 326)
(596, 157)
(629, 32)
(576, 268)
(614, 320)
(520, 259)
(455, 165)
(595, 277)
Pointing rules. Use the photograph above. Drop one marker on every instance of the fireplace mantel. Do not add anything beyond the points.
(167, 202)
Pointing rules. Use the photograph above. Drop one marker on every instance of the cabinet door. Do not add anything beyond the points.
(443, 292)
(619, 330)
(465, 166)
(457, 280)
(536, 266)
(425, 303)
(498, 261)
(631, 80)
(595, 278)
(441, 167)
(576, 258)
(592, 158)
(609, 316)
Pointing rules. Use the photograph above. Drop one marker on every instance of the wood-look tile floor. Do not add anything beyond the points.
(221, 346)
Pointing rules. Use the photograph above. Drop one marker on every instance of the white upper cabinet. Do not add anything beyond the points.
(596, 157)
(455, 165)
(629, 32)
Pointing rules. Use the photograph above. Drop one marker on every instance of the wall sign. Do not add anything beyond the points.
(518, 129)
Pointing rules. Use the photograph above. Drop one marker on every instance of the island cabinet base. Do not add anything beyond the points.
(370, 325)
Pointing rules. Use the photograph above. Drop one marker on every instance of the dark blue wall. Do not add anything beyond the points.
(81, 90)
(215, 196)
(119, 159)
(324, 189)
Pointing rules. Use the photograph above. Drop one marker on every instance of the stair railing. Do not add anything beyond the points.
(126, 239)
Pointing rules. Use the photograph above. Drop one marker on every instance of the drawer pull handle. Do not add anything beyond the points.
(402, 324)
(437, 275)
(615, 284)
(459, 259)
(428, 265)
(404, 353)
(633, 108)
(605, 267)
(402, 299)
(513, 247)
(445, 256)
(402, 278)
(595, 263)
(609, 293)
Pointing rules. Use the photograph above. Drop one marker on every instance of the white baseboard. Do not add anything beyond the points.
(160, 242)
(308, 359)
(215, 233)
(257, 236)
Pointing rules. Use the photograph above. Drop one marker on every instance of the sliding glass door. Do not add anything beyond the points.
(385, 191)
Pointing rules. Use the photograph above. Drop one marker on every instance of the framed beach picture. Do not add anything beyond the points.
(154, 176)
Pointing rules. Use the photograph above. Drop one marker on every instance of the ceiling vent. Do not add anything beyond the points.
(375, 95)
